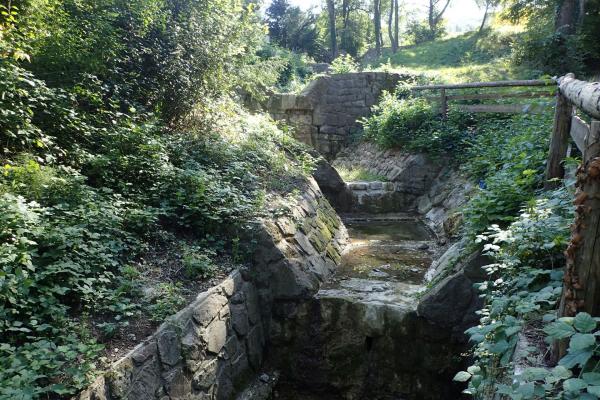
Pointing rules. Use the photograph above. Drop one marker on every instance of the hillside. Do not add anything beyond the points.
(467, 57)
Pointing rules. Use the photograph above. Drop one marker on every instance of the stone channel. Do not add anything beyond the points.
(360, 336)
(360, 292)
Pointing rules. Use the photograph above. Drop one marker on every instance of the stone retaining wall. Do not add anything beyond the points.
(214, 346)
(409, 176)
(325, 114)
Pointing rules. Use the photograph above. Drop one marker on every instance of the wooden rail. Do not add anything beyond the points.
(443, 97)
(474, 85)
(581, 289)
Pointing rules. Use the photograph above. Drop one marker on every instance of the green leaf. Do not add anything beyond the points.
(462, 376)
(584, 322)
(474, 369)
(574, 385)
(581, 341)
(578, 358)
(500, 347)
(592, 378)
(535, 374)
(526, 390)
(595, 390)
(559, 330)
(512, 330)
(561, 372)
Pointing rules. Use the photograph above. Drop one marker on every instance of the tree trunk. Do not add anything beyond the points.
(396, 26)
(346, 12)
(430, 16)
(435, 18)
(390, 24)
(377, 25)
(566, 17)
(332, 31)
(485, 14)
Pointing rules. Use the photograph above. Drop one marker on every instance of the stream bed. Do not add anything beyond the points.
(360, 336)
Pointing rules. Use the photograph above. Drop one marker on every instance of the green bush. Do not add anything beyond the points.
(344, 64)
(523, 288)
(396, 122)
(508, 158)
(419, 32)
(413, 123)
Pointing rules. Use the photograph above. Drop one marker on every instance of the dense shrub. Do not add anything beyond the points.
(344, 64)
(414, 123)
(508, 158)
(419, 32)
(522, 292)
(119, 138)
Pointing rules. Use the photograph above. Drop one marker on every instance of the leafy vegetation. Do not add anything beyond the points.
(120, 137)
(359, 174)
(344, 64)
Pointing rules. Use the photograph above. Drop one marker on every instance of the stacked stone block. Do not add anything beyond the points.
(212, 348)
(328, 111)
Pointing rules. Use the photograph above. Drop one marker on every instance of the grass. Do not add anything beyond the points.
(359, 174)
(467, 57)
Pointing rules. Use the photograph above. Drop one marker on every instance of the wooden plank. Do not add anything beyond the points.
(443, 103)
(535, 82)
(492, 96)
(501, 108)
(558, 142)
(580, 130)
(584, 95)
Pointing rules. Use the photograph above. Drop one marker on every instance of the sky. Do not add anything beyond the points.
(460, 13)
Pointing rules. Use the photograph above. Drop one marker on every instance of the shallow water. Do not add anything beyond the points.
(388, 231)
(385, 263)
(393, 251)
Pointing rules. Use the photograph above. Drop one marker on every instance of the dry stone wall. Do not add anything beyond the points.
(325, 114)
(213, 347)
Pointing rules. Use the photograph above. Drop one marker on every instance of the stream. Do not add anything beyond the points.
(360, 337)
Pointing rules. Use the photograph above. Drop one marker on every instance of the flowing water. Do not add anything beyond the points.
(383, 266)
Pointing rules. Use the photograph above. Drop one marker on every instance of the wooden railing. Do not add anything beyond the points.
(574, 99)
(444, 97)
(581, 290)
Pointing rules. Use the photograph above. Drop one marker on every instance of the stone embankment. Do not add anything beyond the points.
(212, 348)
(413, 183)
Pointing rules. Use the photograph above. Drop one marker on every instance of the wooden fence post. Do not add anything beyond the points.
(443, 103)
(559, 141)
(581, 290)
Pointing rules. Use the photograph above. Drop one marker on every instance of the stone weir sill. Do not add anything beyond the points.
(212, 348)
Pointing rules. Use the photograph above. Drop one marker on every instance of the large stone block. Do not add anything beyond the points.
(177, 384)
(239, 319)
(255, 346)
(215, 336)
(207, 309)
(206, 376)
(169, 347)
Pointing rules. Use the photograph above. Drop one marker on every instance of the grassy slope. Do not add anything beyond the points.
(468, 57)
